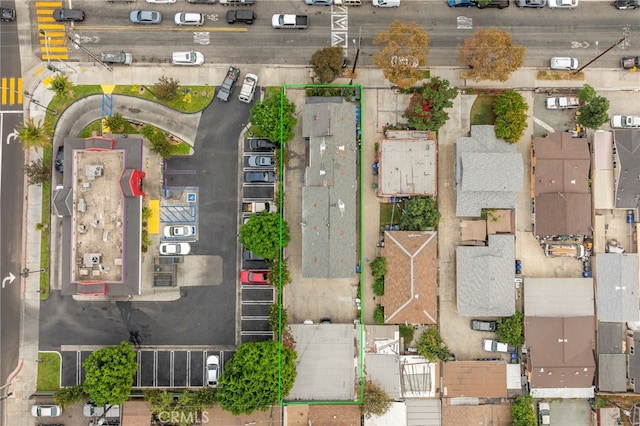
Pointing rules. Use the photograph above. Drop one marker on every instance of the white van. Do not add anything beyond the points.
(347, 2)
(248, 88)
(386, 3)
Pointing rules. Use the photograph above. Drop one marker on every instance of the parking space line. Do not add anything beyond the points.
(78, 367)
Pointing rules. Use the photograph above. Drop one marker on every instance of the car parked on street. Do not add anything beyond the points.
(254, 276)
(491, 345)
(7, 14)
(261, 161)
(480, 325)
(259, 177)
(42, 410)
(189, 58)
(145, 17)
(544, 413)
(563, 4)
(319, 2)
(179, 231)
(91, 410)
(175, 249)
(161, 1)
(188, 19)
(213, 365)
(68, 15)
(627, 4)
(122, 58)
(261, 144)
(563, 63)
(531, 3)
(495, 4)
(625, 121)
(59, 165)
(461, 3)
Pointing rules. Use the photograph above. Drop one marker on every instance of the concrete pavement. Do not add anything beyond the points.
(381, 105)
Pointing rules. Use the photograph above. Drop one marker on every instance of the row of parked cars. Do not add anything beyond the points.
(538, 4)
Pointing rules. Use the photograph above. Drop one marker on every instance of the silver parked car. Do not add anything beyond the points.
(145, 17)
(531, 3)
(563, 4)
(187, 58)
(260, 161)
(191, 19)
(563, 63)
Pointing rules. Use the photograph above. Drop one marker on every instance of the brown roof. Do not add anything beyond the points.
(411, 283)
(560, 351)
(477, 379)
(136, 413)
(216, 416)
(561, 185)
(473, 230)
(334, 415)
(501, 221)
(477, 415)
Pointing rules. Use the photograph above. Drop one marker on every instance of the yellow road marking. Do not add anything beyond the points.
(53, 34)
(12, 91)
(39, 70)
(47, 80)
(46, 19)
(4, 91)
(63, 57)
(20, 90)
(44, 12)
(58, 49)
(58, 27)
(48, 4)
(54, 41)
(108, 88)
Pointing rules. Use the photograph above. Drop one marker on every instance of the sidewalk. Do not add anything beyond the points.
(380, 106)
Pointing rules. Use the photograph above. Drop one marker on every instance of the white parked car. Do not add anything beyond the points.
(40, 410)
(90, 410)
(178, 231)
(175, 249)
(625, 121)
(191, 19)
(563, 4)
(563, 63)
(213, 367)
(544, 413)
(491, 345)
(161, 1)
(187, 58)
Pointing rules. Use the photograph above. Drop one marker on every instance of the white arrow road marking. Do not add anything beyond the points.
(11, 136)
(10, 278)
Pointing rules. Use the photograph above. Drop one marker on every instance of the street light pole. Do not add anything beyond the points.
(355, 61)
(50, 66)
(35, 101)
(25, 272)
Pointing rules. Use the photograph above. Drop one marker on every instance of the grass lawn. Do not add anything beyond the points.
(482, 110)
(44, 230)
(406, 332)
(559, 75)
(191, 98)
(387, 210)
(48, 371)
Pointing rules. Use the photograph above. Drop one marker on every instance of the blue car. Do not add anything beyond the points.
(461, 3)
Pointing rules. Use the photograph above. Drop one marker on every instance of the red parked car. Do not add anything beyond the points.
(254, 277)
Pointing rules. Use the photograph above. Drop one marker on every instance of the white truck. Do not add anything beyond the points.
(248, 88)
(562, 102)
(290, 21)
(625, 121)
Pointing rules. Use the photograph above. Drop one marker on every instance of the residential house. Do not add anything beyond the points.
(612, 359)
(617, 287)
(627, 168)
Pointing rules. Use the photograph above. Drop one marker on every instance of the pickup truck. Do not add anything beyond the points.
(248, 88)
(229, 82)
(562, 102)
(625, 121)
(290, 21)
(629, 62)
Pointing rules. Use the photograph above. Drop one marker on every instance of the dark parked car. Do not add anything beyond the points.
(241, 15)
(627, 4)
(248, 255)
(538, 4)
(60, 159)
(496, 4)
(68, 15)
(259, 177)
(260, 144)
(7, 14)
(480, 325)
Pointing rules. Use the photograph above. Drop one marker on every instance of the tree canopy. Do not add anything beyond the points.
(511, 116)
(491, 54)
(109, 374)
(266, 116)
(431, 347)
(249, 381)
(426, 111)
(327, 63)
(523, 413)
(37, 172)
(510, 329)
(376, 401)
(261, 234)
(421, 213)
(32, 135)
(403, 50)
(594, 113)
(182, 410)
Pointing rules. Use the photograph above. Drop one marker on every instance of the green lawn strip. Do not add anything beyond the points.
(44, 230)
(482, 110)
(190, 99)
(386, 211)
(48, 372)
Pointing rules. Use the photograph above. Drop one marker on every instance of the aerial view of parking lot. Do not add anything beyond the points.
(335, 212)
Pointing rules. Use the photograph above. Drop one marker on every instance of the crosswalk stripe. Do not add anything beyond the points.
(4, 91)
(11, 91)
(20, 91)
(44, 42)
(44, 12)
(48, 4)
(55, 49)
(47, 27)
(46, 19)
(58, 56)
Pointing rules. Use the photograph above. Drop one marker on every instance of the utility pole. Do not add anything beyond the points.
(85, 50)
(50, 66)
(355, 61)
(624, 37)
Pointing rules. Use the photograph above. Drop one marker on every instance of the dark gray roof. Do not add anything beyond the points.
(485, 276)
(489, 172)
(617, 287)
(628, 155)
(329, 206)
(611, 337)
(612, 373)
(63, 201)
(634, 362)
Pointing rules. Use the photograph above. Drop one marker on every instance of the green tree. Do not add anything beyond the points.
(276, 273)
(378, 267)
(510, 109)
(403, 50)
(421, 213)
(182, 409)
(109, 374)
(376, 402)
(586, 93)
(523, 412)
(261, 234)
(431, 347)
(327, 63)
(37, 172)
(594, 113)
(378, 315)
(32, 135)
(166, 88)
(510, 329)
(69, 395)
(158, 140)
(250, 379)
(378, 286)
(61, 85)
(274, 318)
(491, 54)
(115, 122)
(426, 110)
(273, 112)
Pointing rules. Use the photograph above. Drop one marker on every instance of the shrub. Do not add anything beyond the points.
(431, 347)
(378, 286)
(378, 267)
(378, 315)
